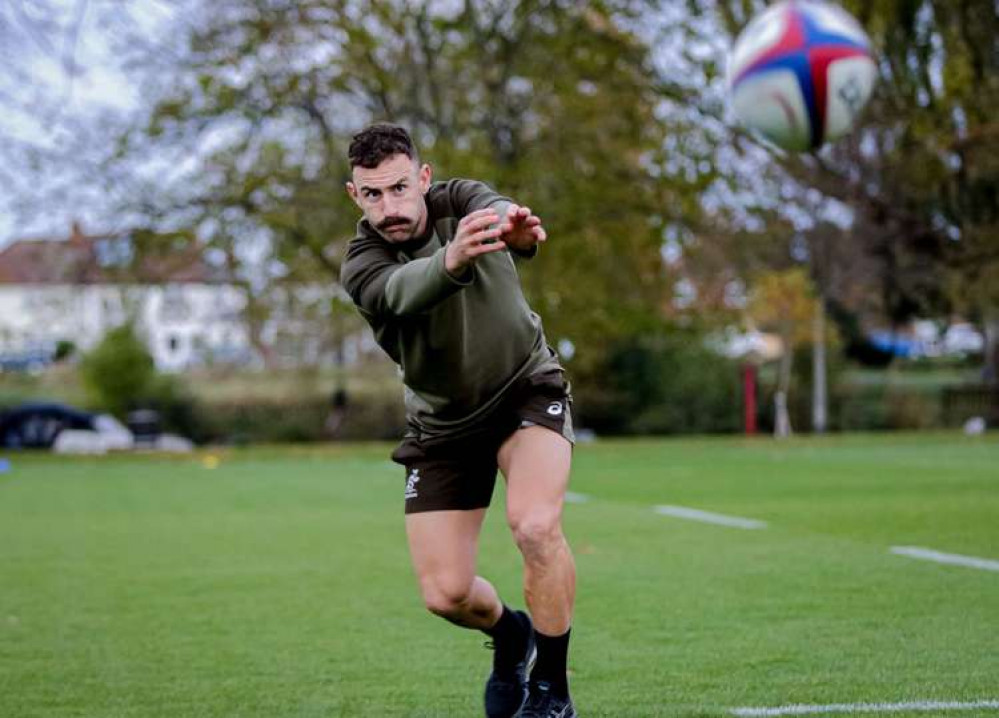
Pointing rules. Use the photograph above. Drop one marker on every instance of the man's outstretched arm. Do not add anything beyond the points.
(379, 283)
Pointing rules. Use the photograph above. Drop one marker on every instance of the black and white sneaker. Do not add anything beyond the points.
(506, 689)
(542, 703)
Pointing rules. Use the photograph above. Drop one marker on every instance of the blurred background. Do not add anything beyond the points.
(173, 216)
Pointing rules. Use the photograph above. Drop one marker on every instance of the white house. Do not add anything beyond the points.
(75, 290)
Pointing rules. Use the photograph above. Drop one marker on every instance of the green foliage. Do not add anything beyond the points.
(554, 104)
(919, 172)
(888, 408)
(64, 350)
(305, 419)
(930, 212)
(613, 131)
(784, 302)
(179, 411)
(119, 372)
(663, 383)
(119, 375)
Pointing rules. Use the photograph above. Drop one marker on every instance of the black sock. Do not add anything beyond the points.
(553, 655)
(509, 636)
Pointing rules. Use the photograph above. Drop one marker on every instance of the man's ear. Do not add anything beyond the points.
(352, 191)
(426, 175)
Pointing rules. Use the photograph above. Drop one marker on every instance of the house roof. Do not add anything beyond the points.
(89, 259)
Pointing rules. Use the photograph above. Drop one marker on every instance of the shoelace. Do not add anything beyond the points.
(543, 701)
(541, 698)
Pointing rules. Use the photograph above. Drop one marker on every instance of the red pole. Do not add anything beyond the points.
(749, 397)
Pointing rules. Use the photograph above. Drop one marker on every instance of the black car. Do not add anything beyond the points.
(36, 425)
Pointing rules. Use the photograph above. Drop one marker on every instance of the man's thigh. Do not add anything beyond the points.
(443, 546)
(535, 462)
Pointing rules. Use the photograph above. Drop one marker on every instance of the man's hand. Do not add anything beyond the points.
(477, 234)
(521, 230)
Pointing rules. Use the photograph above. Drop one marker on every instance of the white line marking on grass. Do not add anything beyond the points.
(804, 710)
(572, 497)
(927, 554)
(681, 512)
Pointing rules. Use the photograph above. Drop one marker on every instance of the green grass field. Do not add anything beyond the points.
(278, 583)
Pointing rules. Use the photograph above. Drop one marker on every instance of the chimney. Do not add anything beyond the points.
(76, 232)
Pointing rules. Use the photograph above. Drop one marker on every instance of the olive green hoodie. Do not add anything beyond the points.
(460, 342)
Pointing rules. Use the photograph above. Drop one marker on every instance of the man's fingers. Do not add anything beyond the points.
(478, 213)
(519, 216)
(532, 221)
(482, 235)
(479, 229)
(479, 217)
(485, 248)
(486, 227)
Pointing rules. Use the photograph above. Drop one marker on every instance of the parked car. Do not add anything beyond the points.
(68, 430)
(35, 425)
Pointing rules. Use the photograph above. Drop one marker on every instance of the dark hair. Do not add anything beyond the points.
(376, 143)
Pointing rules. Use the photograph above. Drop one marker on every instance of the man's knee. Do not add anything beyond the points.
(446, 596)
(537, 532)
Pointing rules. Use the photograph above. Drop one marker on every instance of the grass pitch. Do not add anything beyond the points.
(277, 583)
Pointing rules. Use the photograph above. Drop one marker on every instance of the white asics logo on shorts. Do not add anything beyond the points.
(411, 481)
(555, 408)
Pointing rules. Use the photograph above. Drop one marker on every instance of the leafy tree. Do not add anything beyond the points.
(918, 177)
(119, 375)
(666, 381)
(64, 350)
(609, 119)
(552, 103)
(119, 372)
(784, 302)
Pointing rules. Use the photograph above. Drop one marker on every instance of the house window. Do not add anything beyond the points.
(114, 252)
(174, 343)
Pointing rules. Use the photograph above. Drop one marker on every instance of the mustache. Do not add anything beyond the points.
(393, 222)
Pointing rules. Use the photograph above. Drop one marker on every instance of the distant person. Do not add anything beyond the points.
(337, 413)
(433, 271)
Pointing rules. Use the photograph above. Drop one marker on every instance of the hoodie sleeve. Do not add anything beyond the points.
(380, 283)
(467, 196)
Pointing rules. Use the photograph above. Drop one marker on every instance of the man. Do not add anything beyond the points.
(432, 270)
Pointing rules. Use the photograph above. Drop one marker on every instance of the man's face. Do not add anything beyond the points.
(391, 197)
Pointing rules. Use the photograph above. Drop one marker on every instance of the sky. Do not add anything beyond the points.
(58, 69)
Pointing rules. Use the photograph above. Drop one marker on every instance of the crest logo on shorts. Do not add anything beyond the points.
(555, 408)
(411, 481)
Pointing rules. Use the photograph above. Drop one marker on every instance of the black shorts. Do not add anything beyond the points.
(458, 472)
